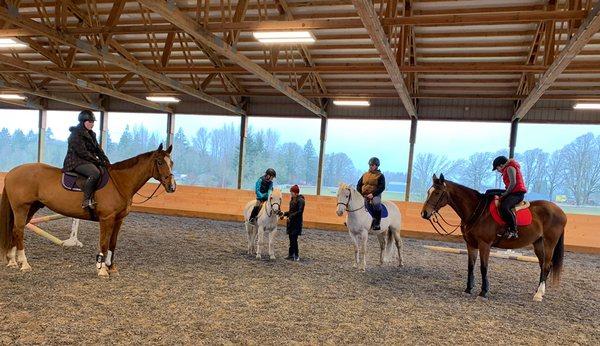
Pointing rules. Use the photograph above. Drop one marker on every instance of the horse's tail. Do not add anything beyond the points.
(6, 225)
(389, 244)
(557, 259)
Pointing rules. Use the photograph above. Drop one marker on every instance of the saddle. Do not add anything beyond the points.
(521, 211)
(370, 210)
(74, 182)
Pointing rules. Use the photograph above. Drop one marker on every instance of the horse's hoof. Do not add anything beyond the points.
(272, 257)
(103, 273)
(537, 298)
(26, 267)
(257, 257)
(363, 269)
(113, 271)
(12, 264)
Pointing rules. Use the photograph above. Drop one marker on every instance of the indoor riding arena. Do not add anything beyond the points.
(300, 172)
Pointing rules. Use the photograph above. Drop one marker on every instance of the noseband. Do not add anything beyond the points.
(476, 213)
(272, 204)
(348, 203)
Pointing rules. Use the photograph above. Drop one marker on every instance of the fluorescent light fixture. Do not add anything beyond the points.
(353, 103)
(12, 97)
(163, 99)
(587, 106)
(284, 36)
(10, 43)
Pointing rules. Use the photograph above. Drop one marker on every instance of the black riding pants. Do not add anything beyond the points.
(506, 204)
(92, 173)
(293, 252)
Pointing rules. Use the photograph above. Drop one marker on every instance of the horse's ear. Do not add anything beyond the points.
(169, 149)
(159, 147)
(442, 178)
(434, 178)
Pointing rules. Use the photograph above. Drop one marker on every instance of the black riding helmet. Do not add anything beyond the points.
(374, 161)
(500, 160)
(271, 172)
(86, 115)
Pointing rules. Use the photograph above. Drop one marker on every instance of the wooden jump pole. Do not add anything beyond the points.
(44, 234)
(72, 241)
(493, 254)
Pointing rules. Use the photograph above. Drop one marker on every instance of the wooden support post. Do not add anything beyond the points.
(170, 129)
(323, 139)
(104, 130)
(411, 151)
(514, 125)
(42, 135)
(243, 135)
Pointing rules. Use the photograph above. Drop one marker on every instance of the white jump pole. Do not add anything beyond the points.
(72, 241)
(493, 254)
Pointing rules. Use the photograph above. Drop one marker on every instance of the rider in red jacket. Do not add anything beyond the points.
(514, 194)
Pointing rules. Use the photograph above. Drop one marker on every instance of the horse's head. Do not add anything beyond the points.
(275, 199)
(344, 194)
(437, 197)
(163, 168)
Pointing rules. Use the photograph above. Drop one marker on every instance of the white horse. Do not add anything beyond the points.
(266, 220)
(358, 221)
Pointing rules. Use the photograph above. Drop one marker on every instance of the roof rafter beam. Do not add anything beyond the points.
(586, 31)
(14, 18)
(55, 97)
(373, 25)
(172, 14)
(80, 82)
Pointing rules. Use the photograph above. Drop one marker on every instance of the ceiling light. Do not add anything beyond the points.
(587, 106)
(353, 103)
(12, 97)
(10, 43)
(284, 37)
(163, 99)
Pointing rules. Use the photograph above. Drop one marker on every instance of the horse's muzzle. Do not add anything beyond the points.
(425, 215)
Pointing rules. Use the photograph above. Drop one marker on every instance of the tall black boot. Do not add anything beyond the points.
(376, 220)
(253, 214)
(511, 232)
(88, 192)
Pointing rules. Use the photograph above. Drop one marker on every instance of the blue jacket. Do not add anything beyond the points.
(262, 188)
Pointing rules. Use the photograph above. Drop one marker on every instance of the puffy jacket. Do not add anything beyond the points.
(83, 148)
(519, 184)
(295, 215)
(262, 188)
(371, 182)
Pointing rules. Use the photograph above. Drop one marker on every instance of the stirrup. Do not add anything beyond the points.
(88, 203)
(512, 235)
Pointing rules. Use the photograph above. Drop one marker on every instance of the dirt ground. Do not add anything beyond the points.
(189, 281)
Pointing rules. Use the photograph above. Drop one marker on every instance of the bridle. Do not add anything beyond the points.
(348, 202)
(272, 204)
(433, 219)
(162, 181)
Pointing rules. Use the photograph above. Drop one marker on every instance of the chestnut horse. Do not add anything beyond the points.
(546, 231)
(32, 186)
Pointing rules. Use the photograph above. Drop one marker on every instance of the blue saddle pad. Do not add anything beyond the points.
(369, 207)
(74, 182)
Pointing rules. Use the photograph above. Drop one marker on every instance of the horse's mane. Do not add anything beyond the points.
(131, 162)
(345, 186)
(276, 191)
(466, 188)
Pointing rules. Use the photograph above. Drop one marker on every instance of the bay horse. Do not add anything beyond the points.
(480, 231)
(32, 186)
(266, 220)
(358, 221)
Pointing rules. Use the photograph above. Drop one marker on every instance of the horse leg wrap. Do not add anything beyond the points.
(109, 258)
(99, 260)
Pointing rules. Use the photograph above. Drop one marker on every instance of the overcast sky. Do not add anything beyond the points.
(359, 139)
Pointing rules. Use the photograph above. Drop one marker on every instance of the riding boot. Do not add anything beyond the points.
(511, 232)
(376, 220)
(88, 192)
(253, 214)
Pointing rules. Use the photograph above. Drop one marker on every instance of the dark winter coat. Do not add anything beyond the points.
(83, 148)
(294, 223)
